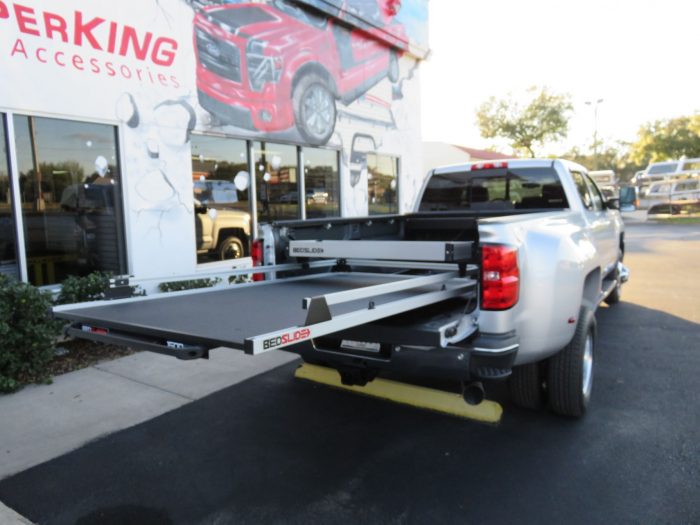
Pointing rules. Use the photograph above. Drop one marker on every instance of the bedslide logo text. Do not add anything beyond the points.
(284, 339)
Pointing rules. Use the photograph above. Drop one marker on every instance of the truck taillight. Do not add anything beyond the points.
(500, 277)
(256, 253)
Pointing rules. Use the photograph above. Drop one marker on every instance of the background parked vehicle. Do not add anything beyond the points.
(664, 171)
(317, 196)
(222, 231)
(684, 189)
(673, 196)
(606, 180)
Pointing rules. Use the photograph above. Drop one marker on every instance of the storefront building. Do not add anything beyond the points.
(152, 138)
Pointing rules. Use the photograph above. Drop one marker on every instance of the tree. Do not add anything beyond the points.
(614, 157)
(608, 157)
(667, 139)
(542, 118)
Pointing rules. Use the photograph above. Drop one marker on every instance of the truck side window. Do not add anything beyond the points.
(595, 193)
(582, 190)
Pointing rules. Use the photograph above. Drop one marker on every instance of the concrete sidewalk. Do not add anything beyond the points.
(41, 422)
(10, 517)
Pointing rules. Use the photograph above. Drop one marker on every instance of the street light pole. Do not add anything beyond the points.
(595, 129)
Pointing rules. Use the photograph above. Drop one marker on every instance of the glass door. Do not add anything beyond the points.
(8, 230)
(69, 180)
(221, 203)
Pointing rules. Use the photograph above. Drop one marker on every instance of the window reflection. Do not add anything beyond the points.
(221, 185)
(8, 254)
(321, 180)
(382, 184)
(276, 179)
(69, 176)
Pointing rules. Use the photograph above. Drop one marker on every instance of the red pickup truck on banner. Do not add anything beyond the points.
(269, 67)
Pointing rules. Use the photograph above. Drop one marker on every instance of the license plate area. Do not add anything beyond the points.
(362, 346)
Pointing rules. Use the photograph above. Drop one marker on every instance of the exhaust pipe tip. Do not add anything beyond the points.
(473, 393)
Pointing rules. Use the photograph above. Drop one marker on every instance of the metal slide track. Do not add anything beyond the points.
(320, 321)
(435, 251)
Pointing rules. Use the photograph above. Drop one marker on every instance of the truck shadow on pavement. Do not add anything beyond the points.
(126, 514)
(274, 449)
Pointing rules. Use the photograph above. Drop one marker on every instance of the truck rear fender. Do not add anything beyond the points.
(591, 289)
(551, 292)
(232, 226)
(559, 294)
(552, 288)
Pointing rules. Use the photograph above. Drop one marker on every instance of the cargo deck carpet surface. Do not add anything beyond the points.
(227, 317)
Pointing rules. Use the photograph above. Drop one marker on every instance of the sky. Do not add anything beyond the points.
(640, 57)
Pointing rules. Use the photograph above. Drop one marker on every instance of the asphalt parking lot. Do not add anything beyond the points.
(277, 450)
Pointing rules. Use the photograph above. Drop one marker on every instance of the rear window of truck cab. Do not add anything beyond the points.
(495, 189)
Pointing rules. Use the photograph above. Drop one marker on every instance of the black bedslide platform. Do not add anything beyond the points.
(229, 316)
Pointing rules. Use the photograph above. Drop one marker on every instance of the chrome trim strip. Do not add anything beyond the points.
(497, 350)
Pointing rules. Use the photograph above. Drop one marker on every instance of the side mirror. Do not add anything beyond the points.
(200, 208)
(613, 203)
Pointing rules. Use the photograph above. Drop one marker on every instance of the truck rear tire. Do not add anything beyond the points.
(314, 109)
(570, 372)
(526, 386)
(231, 248)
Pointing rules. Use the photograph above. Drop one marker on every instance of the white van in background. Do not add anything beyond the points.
(666, 171)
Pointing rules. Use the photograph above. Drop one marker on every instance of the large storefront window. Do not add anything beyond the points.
(382, 184)
(276, 179)
(322, 182)
(8, 254)
(69, 185)
(221, 184)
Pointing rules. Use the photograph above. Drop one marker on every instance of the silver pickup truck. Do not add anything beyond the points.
(496, 275)
(552, 252)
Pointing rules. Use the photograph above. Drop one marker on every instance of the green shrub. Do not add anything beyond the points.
(240, 279)
(176, 286)
(92, 287)
(27, 334)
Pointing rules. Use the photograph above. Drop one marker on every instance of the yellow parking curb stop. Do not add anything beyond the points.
(406, 394)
